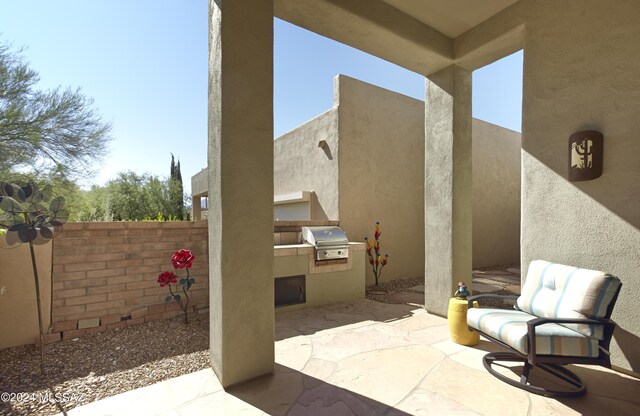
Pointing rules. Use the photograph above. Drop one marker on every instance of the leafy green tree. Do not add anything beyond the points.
(94, 205)
(187, 206)
(45, 131)
(156, 195)
(126, 197)
(61, 185)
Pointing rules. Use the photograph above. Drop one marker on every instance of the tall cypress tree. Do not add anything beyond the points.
(179, 192)
(176, 190)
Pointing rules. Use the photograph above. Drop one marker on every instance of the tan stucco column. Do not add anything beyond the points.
(448, 246)
(196, 201)
(241, 189)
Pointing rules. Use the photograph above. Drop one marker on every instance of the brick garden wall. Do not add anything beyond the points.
(104, 274)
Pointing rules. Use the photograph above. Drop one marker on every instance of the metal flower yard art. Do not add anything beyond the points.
(181, 259)
(28, 214)
(373, 252)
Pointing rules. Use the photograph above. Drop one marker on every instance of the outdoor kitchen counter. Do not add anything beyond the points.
(326, 281)
(306, 248)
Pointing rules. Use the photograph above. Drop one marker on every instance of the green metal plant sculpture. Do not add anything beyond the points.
(28, 214)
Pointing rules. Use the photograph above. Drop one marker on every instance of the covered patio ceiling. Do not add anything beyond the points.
(451, 17)
(423, 36)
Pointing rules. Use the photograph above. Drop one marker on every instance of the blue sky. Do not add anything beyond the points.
(144, 63)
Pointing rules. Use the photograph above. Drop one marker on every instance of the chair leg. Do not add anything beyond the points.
(524, 378)
(577, 387)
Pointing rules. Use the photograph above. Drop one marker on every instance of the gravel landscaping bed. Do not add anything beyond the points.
(379, 293)
(385, 290)
(96, 366)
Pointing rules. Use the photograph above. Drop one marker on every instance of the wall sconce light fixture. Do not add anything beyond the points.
(585, 155)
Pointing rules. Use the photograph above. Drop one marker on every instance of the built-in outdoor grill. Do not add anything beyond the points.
(330, 242)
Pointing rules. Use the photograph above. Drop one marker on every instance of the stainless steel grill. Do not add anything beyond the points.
(330, 243)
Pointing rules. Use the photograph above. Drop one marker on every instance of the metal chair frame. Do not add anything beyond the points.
(552, 364)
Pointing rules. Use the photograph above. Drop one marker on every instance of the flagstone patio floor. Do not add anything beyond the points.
(369, 358)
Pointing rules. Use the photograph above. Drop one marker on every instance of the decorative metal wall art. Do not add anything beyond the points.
(585, 155)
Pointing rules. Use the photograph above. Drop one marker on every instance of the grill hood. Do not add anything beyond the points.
(330, 243)
(324, 236)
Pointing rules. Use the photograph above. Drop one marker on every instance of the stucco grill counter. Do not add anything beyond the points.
(329, 242)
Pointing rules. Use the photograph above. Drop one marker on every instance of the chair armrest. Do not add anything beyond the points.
(490, 296)
(532, 324)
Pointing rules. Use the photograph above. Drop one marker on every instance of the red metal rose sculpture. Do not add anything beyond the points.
(181, 259)
(166, 278)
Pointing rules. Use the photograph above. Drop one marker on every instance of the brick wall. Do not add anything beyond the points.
(108, 271)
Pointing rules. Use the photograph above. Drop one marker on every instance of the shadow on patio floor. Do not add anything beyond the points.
(291, 392)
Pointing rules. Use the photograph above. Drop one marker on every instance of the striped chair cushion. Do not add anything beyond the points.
(558, 291)
(510, 327)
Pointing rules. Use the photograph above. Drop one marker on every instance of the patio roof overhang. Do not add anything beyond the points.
(422, 36)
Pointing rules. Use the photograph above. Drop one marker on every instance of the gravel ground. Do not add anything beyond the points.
(499, 267)
(379, 293)
(497, 303)
(96, 366)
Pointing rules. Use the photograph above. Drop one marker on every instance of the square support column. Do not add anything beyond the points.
(196, 201)
(241, 189)
(447, 193)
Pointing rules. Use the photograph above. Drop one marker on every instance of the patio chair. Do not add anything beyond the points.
(562, 317)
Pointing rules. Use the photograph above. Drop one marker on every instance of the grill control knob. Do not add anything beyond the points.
(326, 253)
(340, 252)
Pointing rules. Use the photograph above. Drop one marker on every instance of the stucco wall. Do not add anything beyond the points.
(382, 172)
(300, 165)
(200, 183)
(496, 194)
(581, 72)
(580, 68)
(199, 190)
(18, 308)
(379, 175)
